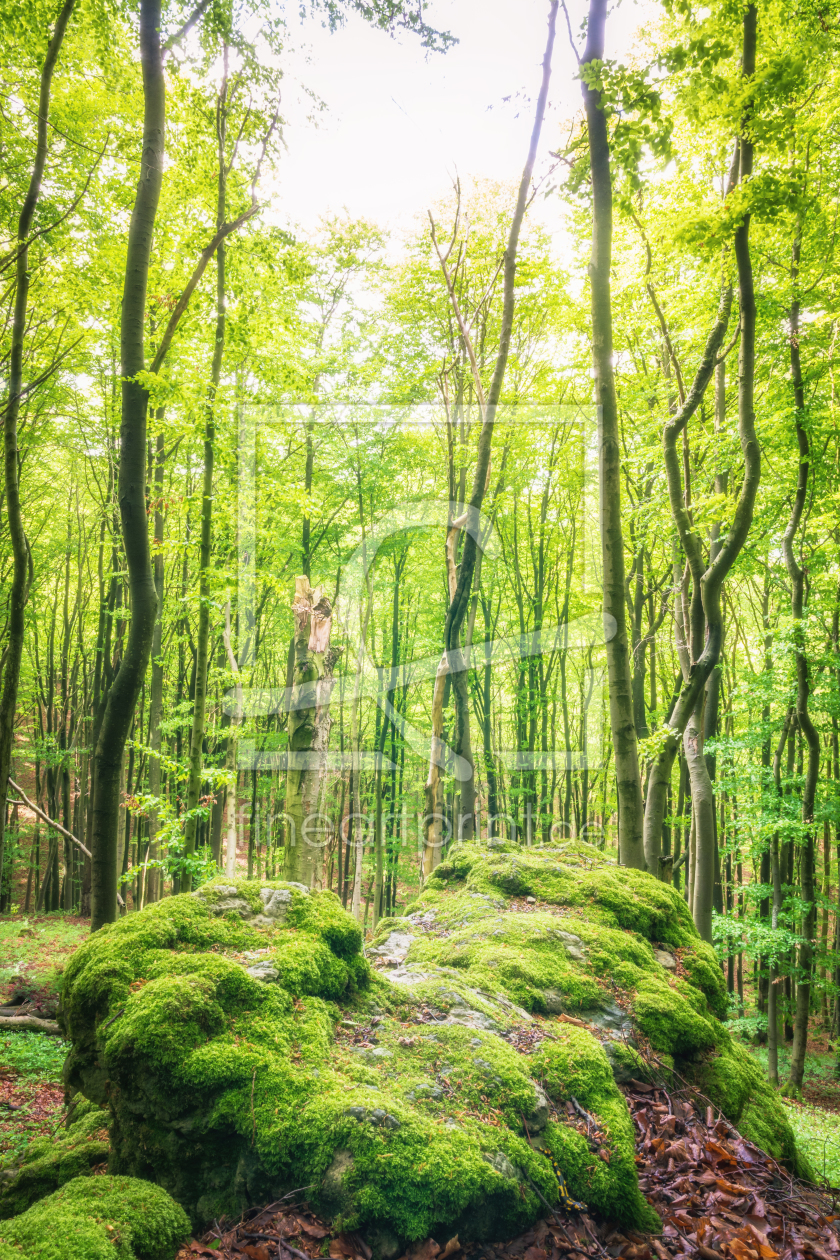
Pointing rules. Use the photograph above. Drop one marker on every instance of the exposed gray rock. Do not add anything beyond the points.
(471, 1019)
(502, 1164)
(610, 1018)
(541, 1111)
(666, 959)
(425, 1091)
(384, 1118)
(263, 971)
(622, 1072)
(555, 1003)
(394, 950)
(275, 903)
(407, 975)
(335, 1195)
(236, 904)
(371, 1054)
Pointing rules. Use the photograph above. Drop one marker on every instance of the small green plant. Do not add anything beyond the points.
(34, 1054)
(818, 1135)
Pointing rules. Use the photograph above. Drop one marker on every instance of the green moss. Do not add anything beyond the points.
(244, 1047)
(576, 1066)
(97, 1218)
(49, 1162)
(735, 1082)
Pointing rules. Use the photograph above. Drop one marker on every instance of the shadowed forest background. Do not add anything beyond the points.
(514, 534)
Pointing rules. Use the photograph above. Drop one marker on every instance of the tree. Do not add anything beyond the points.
(623, 730)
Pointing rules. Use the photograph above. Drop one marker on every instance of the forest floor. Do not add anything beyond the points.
(816, 1118)
(718, 1197)
(33, 951)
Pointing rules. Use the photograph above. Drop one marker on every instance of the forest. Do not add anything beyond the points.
(345, 559)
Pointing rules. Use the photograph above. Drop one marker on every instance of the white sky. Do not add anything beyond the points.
(400, 122)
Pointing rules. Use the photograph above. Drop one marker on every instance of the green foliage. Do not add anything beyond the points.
(96, 1218)
(48, 1162)
(225, 1025)
(34, 1054)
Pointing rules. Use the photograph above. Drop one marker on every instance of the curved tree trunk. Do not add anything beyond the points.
(11, 460)
(124, 691)
(705, 618)
(796, 572)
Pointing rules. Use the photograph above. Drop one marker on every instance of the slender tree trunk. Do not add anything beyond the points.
(19, 591)
(125, 689)
(454, 657)
(796, 572)
(202, 642)
(625, 749)
(773, 1022)
(153, 882)
(309, 729)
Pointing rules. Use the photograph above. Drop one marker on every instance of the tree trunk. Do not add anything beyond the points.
(460, 601)
(153, 880)
(202, 642)
(125, 689)
(309, 730)
(773, 1021)
(625, 749)
(796, 572)
(19, 591)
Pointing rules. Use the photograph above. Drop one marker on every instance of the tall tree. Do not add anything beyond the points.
(131, 485)
(622, 727)
(11, 457)
(454, 661)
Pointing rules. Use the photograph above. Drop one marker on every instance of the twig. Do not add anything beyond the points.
(51, 823)
(569, 29)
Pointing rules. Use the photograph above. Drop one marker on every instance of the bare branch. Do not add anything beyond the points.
(187, 27)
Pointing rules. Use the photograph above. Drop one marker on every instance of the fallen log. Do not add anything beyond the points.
(29, 1023)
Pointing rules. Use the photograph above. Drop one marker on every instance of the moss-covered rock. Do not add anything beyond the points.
(49, 1162)
(97, 1218)
(244, 1045)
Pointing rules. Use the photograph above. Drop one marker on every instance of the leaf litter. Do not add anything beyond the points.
(719, 1198)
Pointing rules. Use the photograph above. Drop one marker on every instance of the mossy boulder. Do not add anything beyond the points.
(245, 1046)
(49, 1162)
(97, 1218)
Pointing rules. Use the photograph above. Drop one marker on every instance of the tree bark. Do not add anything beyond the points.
(202, 641)
(704, 631)
(460, 601)
(625, 748)
(309, 730)
(153, 880)
(124, 691)
(776, 876)
(19, 591)
(796, 573)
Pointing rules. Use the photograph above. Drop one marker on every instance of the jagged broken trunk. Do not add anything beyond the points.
(246, 1047)
(309, 733)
